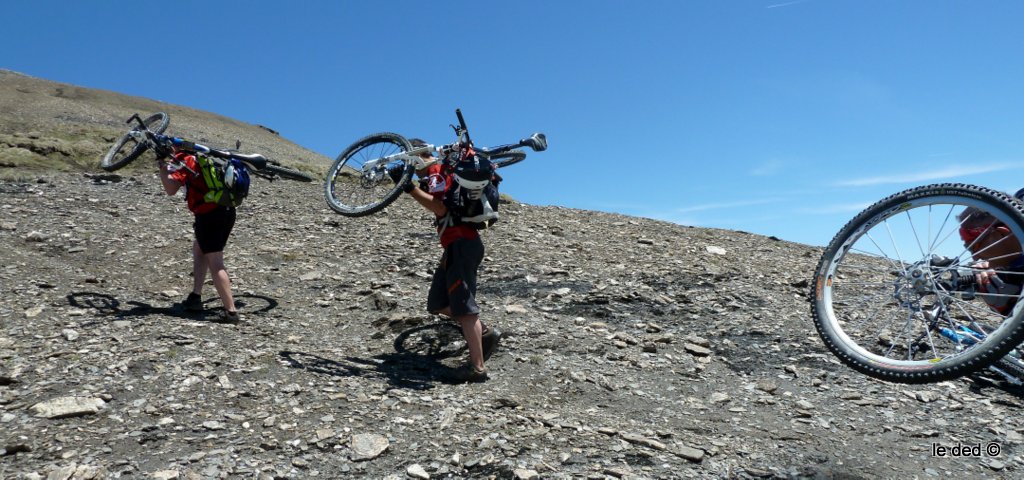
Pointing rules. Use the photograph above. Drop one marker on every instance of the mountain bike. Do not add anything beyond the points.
(361, 181)
(148, 134)
(924, 286)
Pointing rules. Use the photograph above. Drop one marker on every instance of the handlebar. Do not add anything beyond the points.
(177, 142)
(537, 142)
(462, 124)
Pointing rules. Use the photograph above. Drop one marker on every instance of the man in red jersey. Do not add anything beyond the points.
(212, 226)
(453, 288)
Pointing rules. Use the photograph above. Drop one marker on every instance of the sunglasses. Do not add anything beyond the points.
(970, 234)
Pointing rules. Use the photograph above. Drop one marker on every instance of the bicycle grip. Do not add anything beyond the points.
(462, 121)
(138, 119)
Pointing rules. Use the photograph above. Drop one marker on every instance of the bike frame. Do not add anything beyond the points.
(411, 157)
(966, 337)
(369, 174)
(255, 162)
(372, 168)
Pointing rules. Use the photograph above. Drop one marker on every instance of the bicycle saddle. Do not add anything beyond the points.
(257, 160)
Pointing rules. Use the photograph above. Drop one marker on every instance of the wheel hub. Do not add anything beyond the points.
(913, 284)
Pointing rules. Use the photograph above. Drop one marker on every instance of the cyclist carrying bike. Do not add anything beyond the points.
(212, 227)
(453, 287)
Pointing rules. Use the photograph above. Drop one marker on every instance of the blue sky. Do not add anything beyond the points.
(774, 117)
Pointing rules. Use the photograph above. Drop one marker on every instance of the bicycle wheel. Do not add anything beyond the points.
(893, 295)
(354, 187)
(433, 340)
(289, 173)
(508, 158)
(126, 149)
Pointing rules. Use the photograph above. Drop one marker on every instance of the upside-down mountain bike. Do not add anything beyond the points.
(924, 286)
(148, 134)
(360, 182)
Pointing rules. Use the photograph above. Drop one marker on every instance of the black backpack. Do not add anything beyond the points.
(463, 209)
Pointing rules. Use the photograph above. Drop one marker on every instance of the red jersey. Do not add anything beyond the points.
(438, 182)
(195, 186)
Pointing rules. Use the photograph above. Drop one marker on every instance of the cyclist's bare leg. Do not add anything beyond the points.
(447, 311)
(473, 332)
(199, 269)
(221, 281)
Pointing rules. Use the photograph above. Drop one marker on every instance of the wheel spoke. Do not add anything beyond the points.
(862, 267)
(907, 330)
(916, 238)
(901, 267)
(355, 192)
(942, 227)
(869, 319)
(893, 312)
(897, 249)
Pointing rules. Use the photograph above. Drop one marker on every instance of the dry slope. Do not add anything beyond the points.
(634, 349)
(48, 126)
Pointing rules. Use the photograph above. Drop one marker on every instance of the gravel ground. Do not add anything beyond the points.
(633, 348)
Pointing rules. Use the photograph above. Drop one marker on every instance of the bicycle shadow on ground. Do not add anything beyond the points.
(413, 365)
(104, 304)
(979, 383)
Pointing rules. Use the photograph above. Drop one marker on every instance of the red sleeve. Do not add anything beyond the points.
(437, 181)
(182, 175)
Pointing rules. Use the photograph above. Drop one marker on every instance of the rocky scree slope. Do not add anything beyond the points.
(634, 349)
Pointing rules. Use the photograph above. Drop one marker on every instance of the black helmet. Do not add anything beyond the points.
(475, 173)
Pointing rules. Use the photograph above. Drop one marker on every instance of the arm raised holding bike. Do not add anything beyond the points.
(432, 203)
(372, 172)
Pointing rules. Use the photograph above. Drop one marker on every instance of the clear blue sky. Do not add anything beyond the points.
(775, 117)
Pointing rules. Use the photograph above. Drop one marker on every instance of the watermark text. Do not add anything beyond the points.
(991, 449)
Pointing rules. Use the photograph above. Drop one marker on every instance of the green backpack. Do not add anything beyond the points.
(228, 184)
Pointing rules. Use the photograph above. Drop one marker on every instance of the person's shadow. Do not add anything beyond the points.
(107, 305)
(415, 364)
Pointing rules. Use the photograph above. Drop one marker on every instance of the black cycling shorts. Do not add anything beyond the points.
(213, 228)
(454, 282)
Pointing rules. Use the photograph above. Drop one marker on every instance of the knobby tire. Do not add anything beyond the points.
(502, 160)
(835, 331)
(157, 123)
(345, 178)
(288, 173)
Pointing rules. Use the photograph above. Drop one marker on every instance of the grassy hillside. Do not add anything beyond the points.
(51, 126)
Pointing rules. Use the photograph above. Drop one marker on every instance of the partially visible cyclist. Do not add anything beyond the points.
(999, 262)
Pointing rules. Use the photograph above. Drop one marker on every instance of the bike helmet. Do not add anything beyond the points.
(474, 174)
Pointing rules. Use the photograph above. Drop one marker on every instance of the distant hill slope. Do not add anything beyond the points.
(47, 125)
